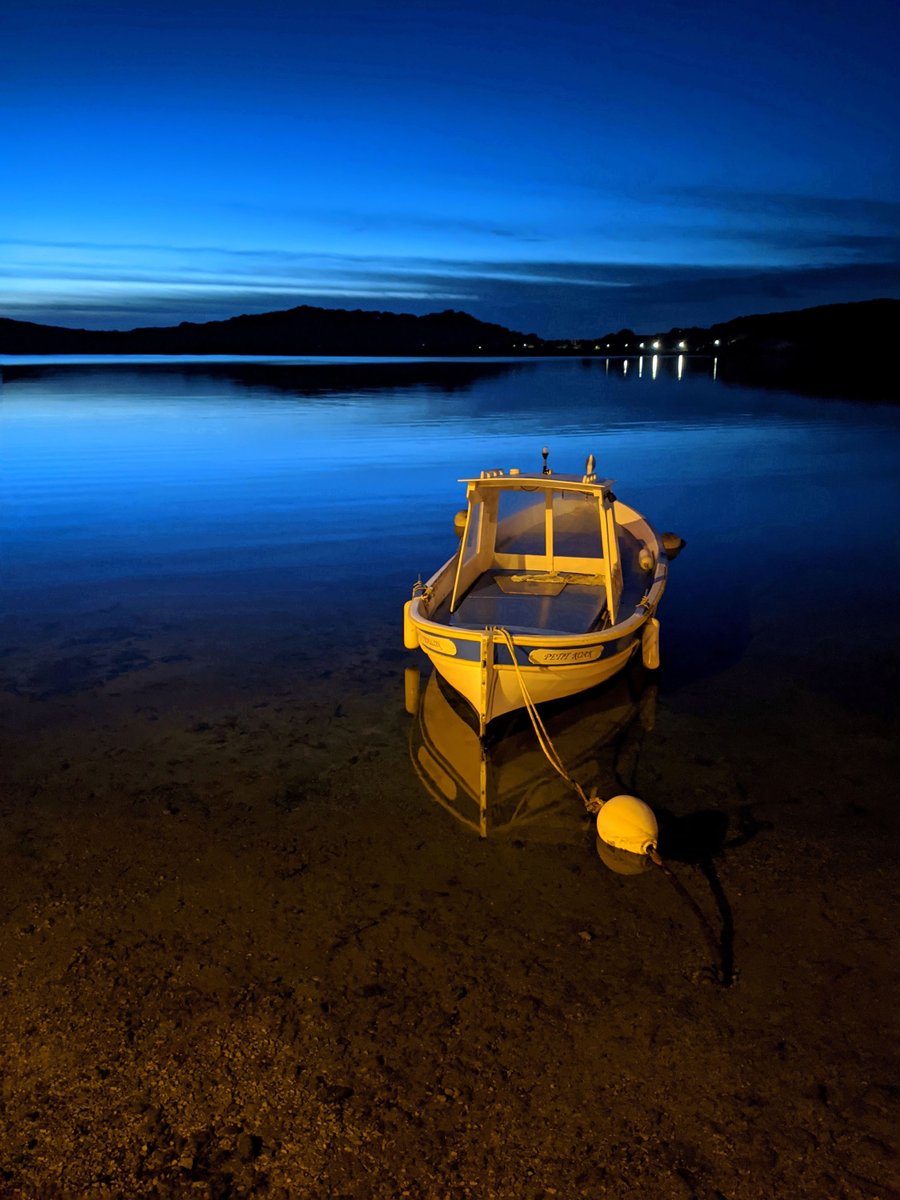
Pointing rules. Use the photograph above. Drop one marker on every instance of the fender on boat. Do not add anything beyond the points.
(410, 633)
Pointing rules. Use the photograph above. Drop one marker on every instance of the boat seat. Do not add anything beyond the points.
(532, 602)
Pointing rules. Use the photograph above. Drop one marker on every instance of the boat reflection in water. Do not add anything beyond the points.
(506, 786)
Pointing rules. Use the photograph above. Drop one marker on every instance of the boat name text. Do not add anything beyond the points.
(555, 658)
(440, 645)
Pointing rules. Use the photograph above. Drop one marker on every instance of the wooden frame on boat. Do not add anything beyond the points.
(553, 588)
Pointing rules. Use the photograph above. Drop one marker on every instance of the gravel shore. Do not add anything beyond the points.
(243, 953)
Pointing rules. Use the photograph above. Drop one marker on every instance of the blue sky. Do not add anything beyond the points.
(558, 167)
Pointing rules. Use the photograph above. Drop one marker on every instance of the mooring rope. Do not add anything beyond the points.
(713, 941)
(592, 804)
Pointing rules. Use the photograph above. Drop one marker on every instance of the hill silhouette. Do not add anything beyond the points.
(825, 329)
(832, 349)
(295, 331)
(829, 350)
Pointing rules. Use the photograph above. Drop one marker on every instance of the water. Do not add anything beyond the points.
(300, 499)
(237, 896)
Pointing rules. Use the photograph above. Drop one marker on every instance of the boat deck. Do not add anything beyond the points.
(576, 608)
(496, 599)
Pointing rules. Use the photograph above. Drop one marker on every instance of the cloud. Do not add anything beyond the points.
(825, 229)
(360, 220)
(809, 208)
(827, 247)
(130, 284)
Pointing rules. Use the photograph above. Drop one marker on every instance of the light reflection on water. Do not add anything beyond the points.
(275, 488)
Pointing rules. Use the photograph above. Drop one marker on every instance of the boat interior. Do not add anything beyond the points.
(495, 599)
(541, 559)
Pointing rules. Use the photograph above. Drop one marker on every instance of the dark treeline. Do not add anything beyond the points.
(835, 349)
(806, 331)
(831, 350)
(295, 331)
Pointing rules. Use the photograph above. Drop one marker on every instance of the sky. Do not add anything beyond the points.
(562, 168)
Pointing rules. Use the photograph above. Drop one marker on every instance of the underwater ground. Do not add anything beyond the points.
(244, 953)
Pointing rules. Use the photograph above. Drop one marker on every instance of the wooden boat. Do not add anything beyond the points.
(553, 589)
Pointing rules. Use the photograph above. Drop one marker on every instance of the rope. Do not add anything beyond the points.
(708, 931)
(592, 804)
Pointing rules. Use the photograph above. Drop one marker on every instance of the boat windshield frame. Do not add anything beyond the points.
(478, 544)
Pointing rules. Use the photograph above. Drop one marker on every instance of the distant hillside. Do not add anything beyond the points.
(295, 331)
(807, 331)
(831, 350)
(869, 324)
(835, 349)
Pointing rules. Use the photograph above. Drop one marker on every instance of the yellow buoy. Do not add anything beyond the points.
(459, 523)
(628, 824)
(410, 633)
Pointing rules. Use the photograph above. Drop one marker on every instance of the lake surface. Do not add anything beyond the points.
(242, 947)
(287, 506)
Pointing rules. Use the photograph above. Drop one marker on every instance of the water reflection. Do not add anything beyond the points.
(673, 366)
(299, 377)
(242, 488)
(508, 787)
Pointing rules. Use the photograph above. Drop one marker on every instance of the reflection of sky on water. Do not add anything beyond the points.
(219, 484)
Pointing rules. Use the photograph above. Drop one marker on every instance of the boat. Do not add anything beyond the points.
(554, 587)
(507, 788)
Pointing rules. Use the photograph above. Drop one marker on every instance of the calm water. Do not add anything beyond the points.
(290, 504)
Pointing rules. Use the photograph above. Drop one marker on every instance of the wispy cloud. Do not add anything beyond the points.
(128, 284)
(396, 220)
(828, 247)
(867, 210)
(183, 267)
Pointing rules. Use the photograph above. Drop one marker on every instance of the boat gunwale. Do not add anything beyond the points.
(552, 637)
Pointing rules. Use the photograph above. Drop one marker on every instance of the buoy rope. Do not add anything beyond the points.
(714, 942)
(592, 803)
